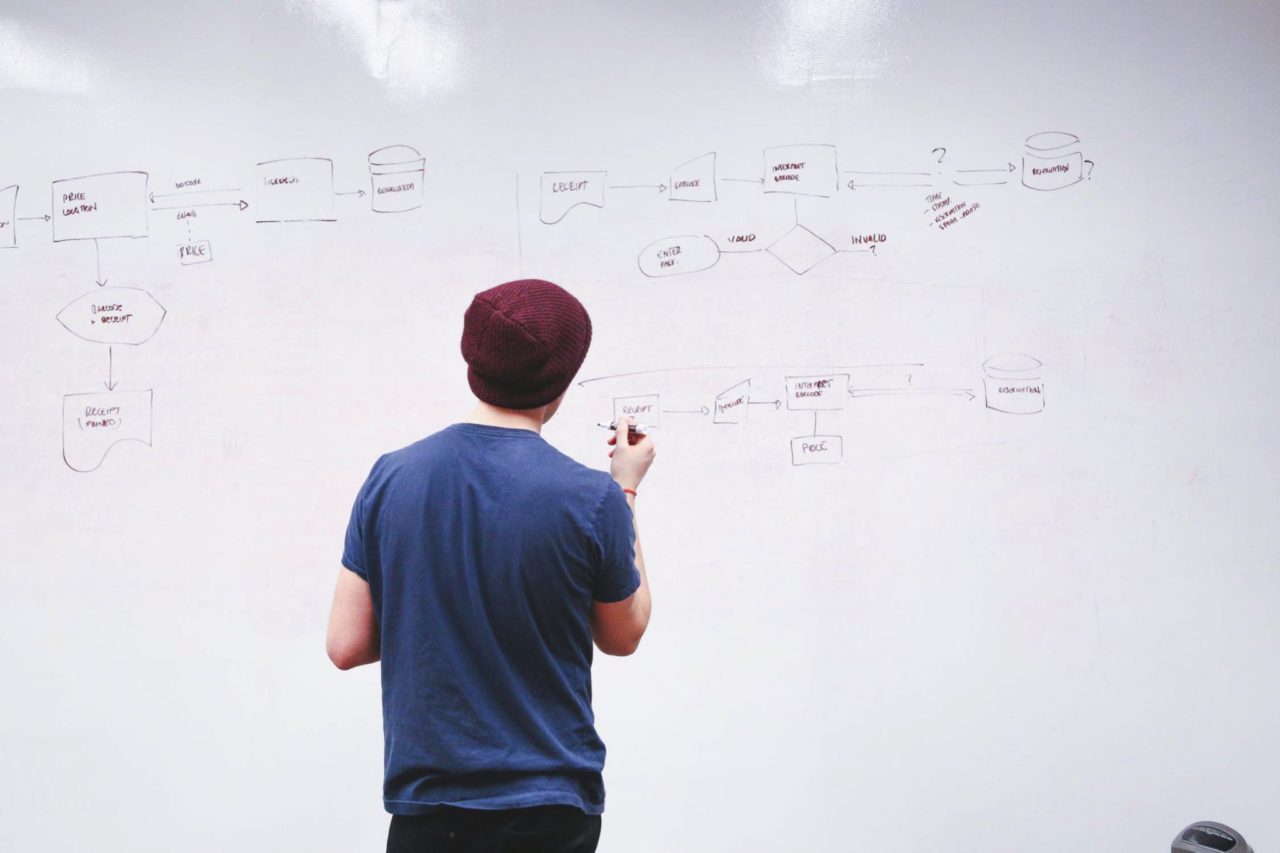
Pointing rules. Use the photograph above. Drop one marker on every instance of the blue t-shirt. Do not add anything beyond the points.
(483, 548)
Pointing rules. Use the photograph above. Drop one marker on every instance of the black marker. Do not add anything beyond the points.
(632, 429)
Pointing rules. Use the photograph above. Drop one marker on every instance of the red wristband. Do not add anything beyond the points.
(631, 492)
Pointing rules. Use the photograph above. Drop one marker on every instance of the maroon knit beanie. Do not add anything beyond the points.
(523, 342)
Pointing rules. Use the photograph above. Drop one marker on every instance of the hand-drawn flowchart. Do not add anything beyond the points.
(1012, 384)
(1051, 160)
(121, 205)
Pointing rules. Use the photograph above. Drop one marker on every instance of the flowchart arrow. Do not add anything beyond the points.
(97, 258)
(703, 410)
(242, 204)
(777, 404)
(359, 193)
(1010, 168)
(898, 392)
(46, 218)
(856, 185)
(153, 196)
(659, 187)
(854, 172)
(861, 183)
(745, 180)
(1002, 172)
(110, 383)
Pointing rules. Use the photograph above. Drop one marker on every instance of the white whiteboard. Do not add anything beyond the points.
(962, 532)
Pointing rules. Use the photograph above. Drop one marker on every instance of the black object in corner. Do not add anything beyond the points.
(1209, 837)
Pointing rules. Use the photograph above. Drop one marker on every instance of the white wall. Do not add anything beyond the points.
(1053, 631)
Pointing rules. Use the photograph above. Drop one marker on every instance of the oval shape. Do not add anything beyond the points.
(396, 155)
(1012, 365)
(113, 315)
(678, 255)
(1051, 140)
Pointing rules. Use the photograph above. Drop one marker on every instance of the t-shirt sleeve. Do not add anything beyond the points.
(616, 576)
(355, 555)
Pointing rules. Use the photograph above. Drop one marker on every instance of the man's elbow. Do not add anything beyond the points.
(345, 656)
(619, 648)
(341, 658)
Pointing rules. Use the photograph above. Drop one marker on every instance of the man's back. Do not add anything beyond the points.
(480, 565)
(484, 548)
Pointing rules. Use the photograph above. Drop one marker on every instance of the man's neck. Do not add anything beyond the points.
(490, 415)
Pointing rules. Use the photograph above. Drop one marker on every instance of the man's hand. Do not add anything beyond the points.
(631, 455)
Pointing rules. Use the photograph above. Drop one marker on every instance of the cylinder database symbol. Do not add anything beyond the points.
(396, 173)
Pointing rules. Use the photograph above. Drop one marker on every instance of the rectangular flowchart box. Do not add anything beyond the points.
(299, 189)
(801, 170)
(195, 252)
(644, 409)
(98, 207)
(818, 393)
(817, 450)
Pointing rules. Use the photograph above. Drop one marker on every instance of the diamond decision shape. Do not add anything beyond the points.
(801, 250)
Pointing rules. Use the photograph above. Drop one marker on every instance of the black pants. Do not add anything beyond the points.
(540, 829)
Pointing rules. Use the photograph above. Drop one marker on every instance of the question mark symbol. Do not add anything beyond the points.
(873, 248)
(1088, 176)
(940, 156)
(908, 378)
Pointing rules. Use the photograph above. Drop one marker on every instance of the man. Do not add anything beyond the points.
(480, 563)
